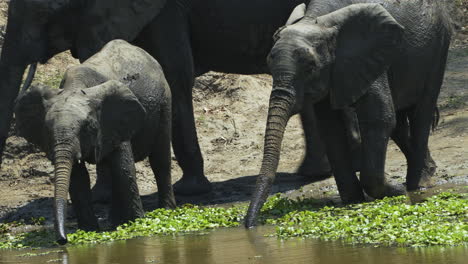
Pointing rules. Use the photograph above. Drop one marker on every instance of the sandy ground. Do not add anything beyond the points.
(230, 112)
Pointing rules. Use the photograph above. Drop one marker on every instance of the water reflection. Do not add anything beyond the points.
(235, 245)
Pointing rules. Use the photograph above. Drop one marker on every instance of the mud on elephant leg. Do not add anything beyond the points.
(80, 195)
(428, 171)
(126, 202)
(315, 165)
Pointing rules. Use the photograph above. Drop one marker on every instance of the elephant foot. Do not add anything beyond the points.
(421, 178)
(352, 194)
(425, 181)
(192, 186)
(315, 169)
(119, 215)
(387, 190)
(429, 170)
(167, 202)
(353, 199)
(394, 190)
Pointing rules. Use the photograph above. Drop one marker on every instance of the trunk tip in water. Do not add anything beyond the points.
(60, 233)
(261, 193)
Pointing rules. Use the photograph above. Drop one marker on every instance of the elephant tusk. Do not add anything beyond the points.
(29, 78)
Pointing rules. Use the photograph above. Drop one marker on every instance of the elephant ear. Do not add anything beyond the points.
(367, 40)
(297, 14)
(104, 21)
(30, 111)
(119, 115)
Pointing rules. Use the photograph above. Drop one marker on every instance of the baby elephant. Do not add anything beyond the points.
(112, 110)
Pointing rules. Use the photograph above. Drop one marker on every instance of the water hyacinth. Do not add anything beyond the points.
(184, 219)
(441, 220)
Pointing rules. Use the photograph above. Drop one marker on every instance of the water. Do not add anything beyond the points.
(235, 245)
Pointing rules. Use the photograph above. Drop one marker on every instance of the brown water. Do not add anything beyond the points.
(235, 245)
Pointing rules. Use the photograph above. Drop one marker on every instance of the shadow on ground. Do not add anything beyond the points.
(224, 192)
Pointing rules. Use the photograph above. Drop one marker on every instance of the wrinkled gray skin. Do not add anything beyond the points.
(385, 60)
(187, 37)
(112, 110)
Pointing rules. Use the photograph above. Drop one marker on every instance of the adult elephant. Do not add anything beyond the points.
(187, 37)
(383, 58)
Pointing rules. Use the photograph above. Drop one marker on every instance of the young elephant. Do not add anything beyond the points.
(385, 59)
(112, 110)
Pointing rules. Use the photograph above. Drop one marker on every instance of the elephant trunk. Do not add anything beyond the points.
(282, 103)
(63, 162)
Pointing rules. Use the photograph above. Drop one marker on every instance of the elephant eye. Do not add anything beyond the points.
(306, 57)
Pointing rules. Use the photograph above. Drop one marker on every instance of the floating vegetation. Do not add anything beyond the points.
(441, 220)
(188, 218)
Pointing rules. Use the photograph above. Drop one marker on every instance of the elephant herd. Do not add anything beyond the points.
(358, 72)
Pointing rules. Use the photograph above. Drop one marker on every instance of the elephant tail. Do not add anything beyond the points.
(443, 9)
(435, 118)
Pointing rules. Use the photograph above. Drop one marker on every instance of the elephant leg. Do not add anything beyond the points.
(101, 191)
(160, 160)
(80, 194)
(401, 136)
(421, 166)
(172, 48)
(126, 202)
(315, 164)
(376, 121)
(187, 149)
(332, 131)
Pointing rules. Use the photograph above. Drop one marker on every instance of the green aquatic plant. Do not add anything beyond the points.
(184, 219)
(188, 218)
(441, 220)
(6, 227)
(42, 238)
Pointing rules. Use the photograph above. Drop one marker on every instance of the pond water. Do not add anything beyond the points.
(234, 245)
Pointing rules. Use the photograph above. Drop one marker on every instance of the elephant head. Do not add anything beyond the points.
(74, 125)
(39, 29)
(335, 57)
